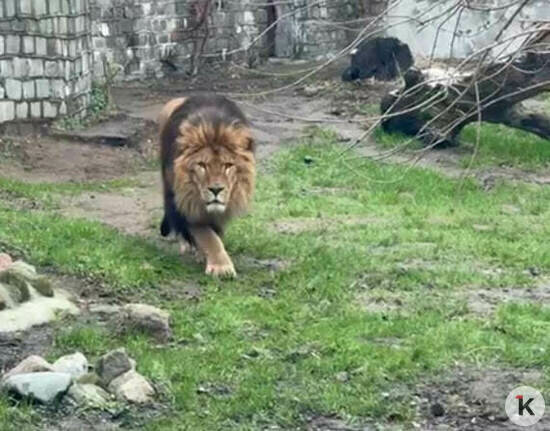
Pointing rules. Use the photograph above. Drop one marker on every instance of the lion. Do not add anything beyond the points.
(208, 172)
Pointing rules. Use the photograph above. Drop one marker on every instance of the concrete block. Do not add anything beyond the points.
(10, 7)
(22, 110)
(62, 25)
(57, 89)
(36, 67)
(43, 88)
(63, 108)
(50, 109)
(14, 89)
(39, 7)
(28, 90)
(28, 44)
(51, 68)
(2, 92)
(7, 110)
(36, 110)
(21, 67)
(40, 46)
(13, 44)
(55, 7)
(6, 68)
(26, 6)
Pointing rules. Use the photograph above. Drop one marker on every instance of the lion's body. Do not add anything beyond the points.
(208, 167)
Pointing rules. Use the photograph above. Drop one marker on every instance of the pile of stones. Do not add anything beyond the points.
(113, 378)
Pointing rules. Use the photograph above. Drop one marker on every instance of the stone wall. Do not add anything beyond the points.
(50, 50)
(44, 58)
(145, 37)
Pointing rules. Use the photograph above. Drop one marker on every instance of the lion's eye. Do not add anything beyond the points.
(201, 165)
(228, 166)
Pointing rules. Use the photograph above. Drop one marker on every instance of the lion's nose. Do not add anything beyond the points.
(216, 189)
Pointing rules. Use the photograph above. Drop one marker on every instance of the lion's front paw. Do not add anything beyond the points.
(221, 270)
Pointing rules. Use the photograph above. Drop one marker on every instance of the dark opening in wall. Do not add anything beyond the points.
(272, 32)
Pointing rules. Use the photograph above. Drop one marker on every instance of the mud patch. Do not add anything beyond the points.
(52, 160)
(473, 399)
(485, 301)
(14, 347)
(271, 265)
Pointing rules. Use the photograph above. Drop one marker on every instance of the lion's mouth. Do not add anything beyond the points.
(215, 207)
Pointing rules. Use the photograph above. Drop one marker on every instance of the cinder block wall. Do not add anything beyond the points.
(44, 59)
(50, 50)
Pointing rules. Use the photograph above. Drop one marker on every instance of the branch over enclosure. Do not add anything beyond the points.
(437, 111)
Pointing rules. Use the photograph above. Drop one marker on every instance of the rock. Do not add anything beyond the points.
(149, 319)
(132, 387)
(437, 410)
(76, 365)
(5, 261)
(89, 395)
(89, 378)
(112, 365)
(15, 285)
(43, 286)
(104, 309)
(45, 387)
(31, 364)
(24, 269)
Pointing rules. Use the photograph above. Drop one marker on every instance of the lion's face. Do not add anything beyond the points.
(214, 176)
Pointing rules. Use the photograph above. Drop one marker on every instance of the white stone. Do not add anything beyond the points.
(76, 365)
(31, 364)
(42, 88)
(36, 110)
(22, 110)
(45, 387)
(41, 48)
(132, 387)
(7, 110)
(28, 89)
(28, 44)
(14, 89)
(12, 44)
(88, 395)
(50, 109)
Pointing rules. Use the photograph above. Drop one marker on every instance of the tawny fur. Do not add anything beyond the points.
(207, 152)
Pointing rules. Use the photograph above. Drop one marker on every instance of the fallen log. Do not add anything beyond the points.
(436, 111)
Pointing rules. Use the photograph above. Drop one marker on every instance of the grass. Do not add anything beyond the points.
(275, 360)
(498, 146)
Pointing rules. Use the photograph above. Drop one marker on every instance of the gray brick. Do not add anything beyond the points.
(47, 26)
(40, 46)
(12, 44)
(55, 7)
(37, 67)
(63, 108)
(1, 42)
(28, 44)
(10, 7)
(42, 88)
(57, 89)
(51, 69)
(28, 90)
(50, 109)
(6, 68)
(13, 89)
(22, 110)
(36, 110)
(7, 110)
(21, 67)
(26, 6)
(62, 25)
(40, 7)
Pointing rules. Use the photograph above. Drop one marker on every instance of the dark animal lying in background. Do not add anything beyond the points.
(384, 58)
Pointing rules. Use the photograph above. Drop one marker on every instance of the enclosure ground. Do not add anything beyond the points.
(368, 292)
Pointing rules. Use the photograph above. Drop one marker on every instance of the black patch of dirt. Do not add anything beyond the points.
(14, 347)
(467, 399)
(484, 301)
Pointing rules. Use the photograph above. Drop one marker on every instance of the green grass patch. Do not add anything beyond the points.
(245, 360)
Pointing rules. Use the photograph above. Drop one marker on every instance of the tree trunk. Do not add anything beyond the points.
(436, 113)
